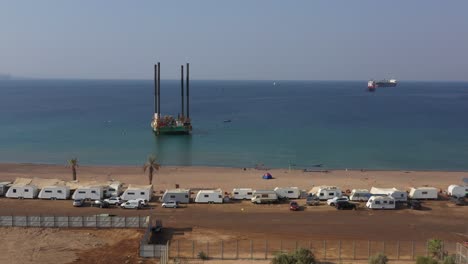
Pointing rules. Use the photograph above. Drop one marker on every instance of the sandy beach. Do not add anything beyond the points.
(229, 178)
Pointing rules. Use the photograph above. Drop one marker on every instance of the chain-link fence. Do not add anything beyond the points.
(92, 221)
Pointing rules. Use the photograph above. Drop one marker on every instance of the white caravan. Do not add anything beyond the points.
(381, 202)
(57, 192)
(113, 189)
(288, 192)
(88, 193)
(133, 192)
(265, 196)
(457, 190)
(209, 196)
(360, 195)
(22, 191)
(399, 196)
(326, 192)
(423, 193)
(4, 187)
(177, 195)
(242, 193)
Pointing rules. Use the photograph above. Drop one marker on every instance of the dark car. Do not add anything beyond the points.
(293, 206)
(312, 200)
(345, 205)
(101, 204)
(414, 204)
(458, 200)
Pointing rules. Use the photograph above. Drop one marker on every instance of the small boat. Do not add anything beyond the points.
(227, 121)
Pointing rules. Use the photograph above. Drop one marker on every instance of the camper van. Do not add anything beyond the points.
(267, 196)
(242, 193)
(113, 189)
(22, 191)
(55, 192)
(88, 193)
(209, 196)
(399, 196)
(360, 195)
(326, 192)
(4, 187)
(457, 190)
(133, 192)
(288, 192)
(423, 193)
(381, 202)
(177, 195)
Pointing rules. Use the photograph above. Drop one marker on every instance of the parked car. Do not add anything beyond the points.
(100, 203)
(312, 200)
(142, 201)
(345, 205)
(131, 204)
(334, 200)
(458, 201)
(114, 200)
(170, 204)
(414, 204)
(294, 206)
(78, 202)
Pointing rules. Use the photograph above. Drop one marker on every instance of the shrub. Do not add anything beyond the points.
(300, 256)
(378, 259)
(435, 248)
(202, 255)
(449, 260)
(425, 260)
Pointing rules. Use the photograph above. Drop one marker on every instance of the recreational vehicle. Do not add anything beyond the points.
(266, 196)
(113, 189)
(360, 195)
(22, 191)
(381, 202)
(457, 190)
(89, 193)
(209, 196)
(4, 187)
(423, 193)
(177, 195)
(57, 192)
(242, 193)
(399, 196)
(326, 192)
(133, 192)
(288, 192)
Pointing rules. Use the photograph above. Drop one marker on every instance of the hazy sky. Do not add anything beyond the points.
(273, 40)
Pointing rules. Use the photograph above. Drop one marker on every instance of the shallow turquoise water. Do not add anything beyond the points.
(416, 125)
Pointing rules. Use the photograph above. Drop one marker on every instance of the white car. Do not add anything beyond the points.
(114, 200)
(142, 201)
(333, 201)
(170, 204)
(132, 204)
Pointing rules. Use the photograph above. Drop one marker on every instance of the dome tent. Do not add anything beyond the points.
(267, 176)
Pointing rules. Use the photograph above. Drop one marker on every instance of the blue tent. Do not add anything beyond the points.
(267, 176)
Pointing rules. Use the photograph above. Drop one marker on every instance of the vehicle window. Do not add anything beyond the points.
(391, 202)
(321, 194)
(377, 202)
(385, 202)
(206, 195)
(264, 195)
(249, 193)
(186, 196)
(172, 196)
(48, 191)
(424, 192)
(26, 190)
(331, 194)
(59, 191)
(401, 195)
(236, 192)
(142, 193)
(290, 191)
(14, 190)
(219, 196)
(93, 191)
(81, 192)
(131, 193)
(111, 190)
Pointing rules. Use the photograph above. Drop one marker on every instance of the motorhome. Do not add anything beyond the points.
(242, 193)
(423, 193)
(4, 187)
(288, 192)
(457, 190)
(88, 193)
(326, 192)
(399, 196)
(133, 192)
(209, 196)
(264, 196)
(22, 191)
(177, 195)
(57, 192)
(360, 195)
(381, 202)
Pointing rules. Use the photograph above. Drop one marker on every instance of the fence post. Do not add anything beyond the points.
(354, 249)
(125, 221)
(339, 249)
(82, 221)
(40, 220)
(266, 249)
(368, 248)
(251, 249)
(27, 220)
(412, 250)
(68, 221)
(383, 245)
(222, 249)
(207, 248)
(237, 249)
(193, 249)
(178, 249)
(427, 248)
(398, 249)
(324, 249)
(55, 221)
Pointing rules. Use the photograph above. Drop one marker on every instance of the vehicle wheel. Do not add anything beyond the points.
(332, 204)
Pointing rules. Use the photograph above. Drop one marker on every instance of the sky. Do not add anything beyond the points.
(235, 40)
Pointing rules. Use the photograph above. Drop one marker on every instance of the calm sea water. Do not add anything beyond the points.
(417, 125)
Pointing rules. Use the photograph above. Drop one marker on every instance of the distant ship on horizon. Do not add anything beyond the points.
(371, 85)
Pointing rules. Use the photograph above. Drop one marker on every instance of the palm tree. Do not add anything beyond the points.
(73, 164)
(151, 165)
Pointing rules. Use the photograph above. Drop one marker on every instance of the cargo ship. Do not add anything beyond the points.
(371, 85)
(167, 124)
(386, 83)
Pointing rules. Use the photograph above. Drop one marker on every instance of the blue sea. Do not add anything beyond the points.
(416, 125)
